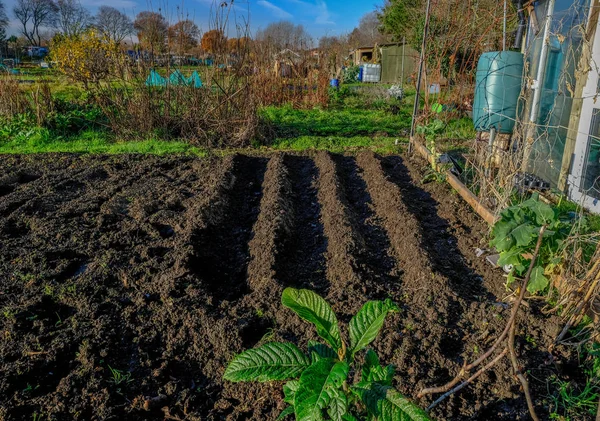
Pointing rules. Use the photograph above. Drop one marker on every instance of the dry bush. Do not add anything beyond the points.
(13, 100)
(223, 113)
(298, 77)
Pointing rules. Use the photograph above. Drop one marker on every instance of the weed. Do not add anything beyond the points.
(48, 290)
(320, 381)
(570, 402)
(531, 340)
(268, 335)
(8, 313)
(119, 377)
(25, 277)
(433, 175)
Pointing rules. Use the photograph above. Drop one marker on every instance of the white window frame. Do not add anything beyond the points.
(581, 144)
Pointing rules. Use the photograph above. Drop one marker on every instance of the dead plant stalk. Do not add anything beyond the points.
(449, 388)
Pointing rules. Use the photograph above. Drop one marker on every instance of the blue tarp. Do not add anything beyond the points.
(154, 79)
(176, 79)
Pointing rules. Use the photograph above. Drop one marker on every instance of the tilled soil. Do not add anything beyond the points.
(128, 282)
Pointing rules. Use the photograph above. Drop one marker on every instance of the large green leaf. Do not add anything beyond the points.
(544, 214)
(314, 309)
(289, 390)
(367, 323)
(501, 239)
(511, 257)
(386, 404)
(271, 361)
(318, 350)
(372, 371)
(317, 388)
(338, 406)
(523, 234)
(507, 234)
(287, 411)
(538, 281)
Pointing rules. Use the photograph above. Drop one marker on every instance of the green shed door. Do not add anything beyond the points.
(391, 65)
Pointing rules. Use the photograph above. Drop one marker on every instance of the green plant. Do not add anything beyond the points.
(570, 401)
(431, 132)
(515, 234)
(320, 381)
(119, 376)
(350, 74)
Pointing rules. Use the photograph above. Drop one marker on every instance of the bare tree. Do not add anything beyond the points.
(368, 32)
(72, 18)
(33, 16)
(285, 34)
(114, 24)
(151, 30)
(183, 36)
(3, 22)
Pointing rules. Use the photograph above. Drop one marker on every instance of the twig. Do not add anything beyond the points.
(469, 380)
(508, 330)
(519, 374)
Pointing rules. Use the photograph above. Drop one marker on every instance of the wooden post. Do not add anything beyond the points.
(482, 210)
(581, 75)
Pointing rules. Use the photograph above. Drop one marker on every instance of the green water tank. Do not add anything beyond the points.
(497, 89)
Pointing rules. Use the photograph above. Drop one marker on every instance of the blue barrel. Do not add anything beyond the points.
(360, 73)
(335, 83)
(497, 90)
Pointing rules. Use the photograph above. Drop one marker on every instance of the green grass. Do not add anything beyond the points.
(385, 145)
(93, 142)
(288, 122)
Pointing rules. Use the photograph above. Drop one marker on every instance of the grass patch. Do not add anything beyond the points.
(384, 145)
(288, 122)
(93, 142)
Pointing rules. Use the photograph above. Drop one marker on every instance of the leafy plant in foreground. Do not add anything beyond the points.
(318, 384)
(515, 234)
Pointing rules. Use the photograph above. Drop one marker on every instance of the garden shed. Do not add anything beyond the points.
(361, 55)
(398, 62)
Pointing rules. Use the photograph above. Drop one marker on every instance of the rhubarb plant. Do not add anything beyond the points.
(318, 382)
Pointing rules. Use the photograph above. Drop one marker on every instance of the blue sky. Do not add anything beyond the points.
(319, 17)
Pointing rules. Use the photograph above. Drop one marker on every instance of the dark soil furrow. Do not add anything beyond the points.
(431, 305)
(376, 262)
(343, 241)
(272, 229)
(438, 240)
(302, 262)
(223, 231)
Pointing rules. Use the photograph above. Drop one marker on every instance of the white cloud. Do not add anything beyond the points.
(323, 15)
(277, 11)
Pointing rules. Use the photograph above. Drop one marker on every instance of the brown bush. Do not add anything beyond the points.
(13, 100)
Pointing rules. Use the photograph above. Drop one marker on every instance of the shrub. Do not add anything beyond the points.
(320, 380)
(86, 58)
(350, 74)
